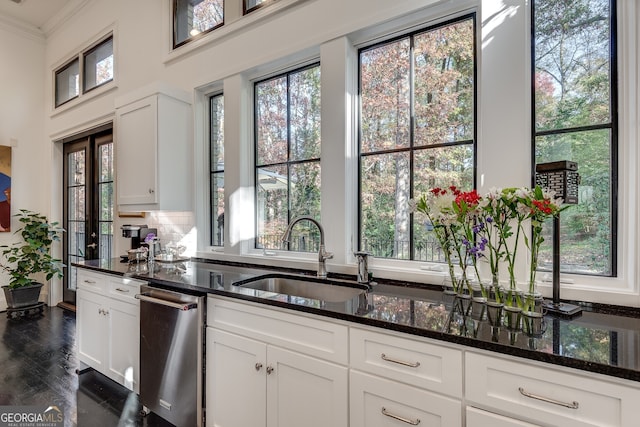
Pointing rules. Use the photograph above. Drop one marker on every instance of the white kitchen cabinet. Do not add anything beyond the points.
(379, 402)
(252, 381)
(108, 326)
(548, 396)
(154, 150)
(479, 418)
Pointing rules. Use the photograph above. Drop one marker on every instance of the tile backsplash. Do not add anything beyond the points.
(174, 227)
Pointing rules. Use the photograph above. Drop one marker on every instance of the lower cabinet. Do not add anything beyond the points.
(479, 418)
(108, 326)
(252, 382)
(378, 402)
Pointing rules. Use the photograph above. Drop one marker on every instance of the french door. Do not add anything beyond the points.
(88, 202)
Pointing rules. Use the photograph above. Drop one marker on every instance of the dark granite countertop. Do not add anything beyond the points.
(604, 339)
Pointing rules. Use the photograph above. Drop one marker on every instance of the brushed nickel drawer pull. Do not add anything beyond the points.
(399, 418)
(572, 405)
(399, 362)
(91, 282)
(122, 290)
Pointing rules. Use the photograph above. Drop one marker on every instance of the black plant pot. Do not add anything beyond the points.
(24, 296)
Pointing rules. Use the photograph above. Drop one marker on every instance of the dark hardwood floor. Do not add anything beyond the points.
(38, 367)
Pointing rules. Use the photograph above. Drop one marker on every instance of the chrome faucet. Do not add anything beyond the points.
(322, 254)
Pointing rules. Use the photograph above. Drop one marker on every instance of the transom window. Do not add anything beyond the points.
(417, 131)
(287, 160)
(97, 70)
(575, 118)
(193, 18)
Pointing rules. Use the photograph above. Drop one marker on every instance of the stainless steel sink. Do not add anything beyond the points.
(312, 288)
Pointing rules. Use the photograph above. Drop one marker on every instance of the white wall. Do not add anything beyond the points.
(325, 29)
(21, 124)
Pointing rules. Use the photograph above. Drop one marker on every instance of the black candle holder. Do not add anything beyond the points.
(561, 177)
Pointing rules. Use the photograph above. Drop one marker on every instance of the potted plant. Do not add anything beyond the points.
(32, 256)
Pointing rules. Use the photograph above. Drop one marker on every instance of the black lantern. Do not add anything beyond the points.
(562, 178)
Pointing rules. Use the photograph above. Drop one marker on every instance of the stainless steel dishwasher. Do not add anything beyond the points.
(171, 355)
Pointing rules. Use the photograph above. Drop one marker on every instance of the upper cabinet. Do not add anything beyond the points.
(154, 150)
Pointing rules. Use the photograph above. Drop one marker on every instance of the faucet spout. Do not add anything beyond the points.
(323, 255)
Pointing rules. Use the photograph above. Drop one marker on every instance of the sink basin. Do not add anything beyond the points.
(303, 287)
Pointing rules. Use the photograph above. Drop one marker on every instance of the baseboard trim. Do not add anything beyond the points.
(67, 306)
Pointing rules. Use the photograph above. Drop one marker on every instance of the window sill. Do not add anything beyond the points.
(82, 99)
(230, 29)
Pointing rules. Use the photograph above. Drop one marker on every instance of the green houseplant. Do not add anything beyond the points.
(29, 257)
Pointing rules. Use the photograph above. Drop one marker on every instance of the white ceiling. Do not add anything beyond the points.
(34, 14)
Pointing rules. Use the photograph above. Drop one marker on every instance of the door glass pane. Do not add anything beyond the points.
(105, 200)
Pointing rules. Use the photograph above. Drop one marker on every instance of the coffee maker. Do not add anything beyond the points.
(137, 234)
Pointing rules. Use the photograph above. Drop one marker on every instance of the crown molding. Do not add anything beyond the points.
(58, 20)
(22, 28)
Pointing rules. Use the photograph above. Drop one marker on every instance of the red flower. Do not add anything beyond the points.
(543, 206)
(471, 198)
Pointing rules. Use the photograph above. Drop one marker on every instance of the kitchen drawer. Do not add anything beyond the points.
(91, 281)
(433, 367)
(124, 289)
(314, 337)
(548, 396)
(378, 402)
(479, 418)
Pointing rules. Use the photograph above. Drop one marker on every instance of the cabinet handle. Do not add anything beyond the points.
(399, 418)
(122, 290)
(151, 191)
(399, 362)
(91, 282)
(269, 369)
(572, 405)
(258, 366)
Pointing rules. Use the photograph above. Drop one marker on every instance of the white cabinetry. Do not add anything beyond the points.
(479, 418)
(270, 368)
(547, 395)
(397, 380)
(108, 326)
(154, 150)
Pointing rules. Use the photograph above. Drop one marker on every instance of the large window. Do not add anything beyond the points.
(417, 131)
(216, 169)
(574, 116)
(98, 65)
(287, 168)
(192, 18)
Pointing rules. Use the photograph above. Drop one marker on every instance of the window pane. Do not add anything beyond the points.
(250, 5)
(193, 17)
(585, 228)
(217, 169)
(304, 96)
(77, 174)
(444, 73)
(217, 209)
(305, 189)
(385, 97)
(68, 82)
(98, 65)
(443, 167)
(384, 205)
(105, 165)
(271, 121)
(572, 63)
(272, 206)
(217, 133)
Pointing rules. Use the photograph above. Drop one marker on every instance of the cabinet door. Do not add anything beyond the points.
(136, 152)
(91, 329)
(378, 402)
(305, 391)
(235, 389)
(124, 344)
(480, 418)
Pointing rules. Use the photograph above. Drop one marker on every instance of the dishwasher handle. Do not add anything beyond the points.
(176, 305)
